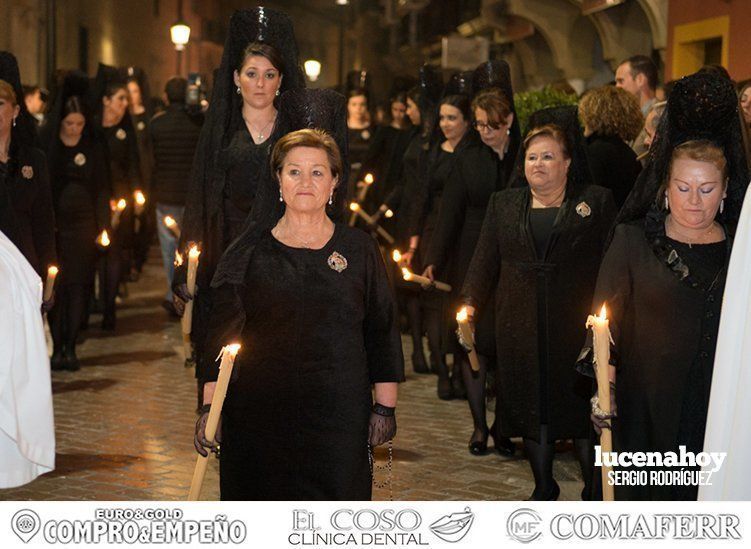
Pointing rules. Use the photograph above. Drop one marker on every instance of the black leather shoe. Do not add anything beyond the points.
(504, 446)
(70, 360)
(56, 361)
(478, 447)
(550, 495)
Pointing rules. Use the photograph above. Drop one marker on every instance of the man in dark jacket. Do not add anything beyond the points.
(174, 136)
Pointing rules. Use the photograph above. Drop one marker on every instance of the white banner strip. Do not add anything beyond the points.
(284, 525)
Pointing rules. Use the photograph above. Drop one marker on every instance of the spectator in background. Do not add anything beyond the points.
(611, 119)
(652, 121)
(36, 102)
(174, 136)
(638, 76)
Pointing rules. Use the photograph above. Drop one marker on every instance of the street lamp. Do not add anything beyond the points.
(312, 69)
(180, 34)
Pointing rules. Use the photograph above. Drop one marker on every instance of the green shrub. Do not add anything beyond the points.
(529, 102)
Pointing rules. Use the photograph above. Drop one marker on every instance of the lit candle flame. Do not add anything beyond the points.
(52, 271)
(178, 259)
(104, 239)
(461, 316)
(232, 349)
(140, 198)
(406, 274)
(369, 178)
(194, 252)
(354, 206)
(121, 204)
(396, 255)
(170, 221)
(603, 313)
(389, 213)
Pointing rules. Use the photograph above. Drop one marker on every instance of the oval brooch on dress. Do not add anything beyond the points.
(79, 159)
(337, 262)
(141, 125)
(120, 134)
(583, 209)
(27, 172)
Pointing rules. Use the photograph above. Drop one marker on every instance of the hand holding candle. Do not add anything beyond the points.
(227, 355)
(172, 225)
(467, 337)
(187, 320)
(50, 283)
(601, 340)
(424, 281)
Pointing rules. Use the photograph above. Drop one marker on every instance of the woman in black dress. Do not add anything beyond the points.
(454, 134)
(360, 131)
(140, 113)
(421, 104)
(611, 118)
(24, 181)
(116, 128)
(480, 171)
(81, 191)
(259, 62)
(310, 302)
(663, 277)
(539, 248)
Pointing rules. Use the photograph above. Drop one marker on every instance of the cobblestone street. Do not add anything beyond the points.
(124, 425)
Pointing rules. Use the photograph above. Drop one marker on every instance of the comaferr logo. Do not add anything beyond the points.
(524, 525)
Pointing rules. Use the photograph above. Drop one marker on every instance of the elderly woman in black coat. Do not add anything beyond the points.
(540, 248)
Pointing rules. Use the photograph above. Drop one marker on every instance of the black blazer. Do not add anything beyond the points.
(30, 225)
(613, 165)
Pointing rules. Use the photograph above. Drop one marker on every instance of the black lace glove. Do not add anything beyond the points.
(382, 426)
(199, 440)
(600, 420)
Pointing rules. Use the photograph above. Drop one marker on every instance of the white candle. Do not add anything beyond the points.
(601, 340)
(117, 211)
(187, 320)
(462, 320)
(103, 239)
(228, 355)
(50, 284)
(357, 210)
(172, 225)
(424, 281)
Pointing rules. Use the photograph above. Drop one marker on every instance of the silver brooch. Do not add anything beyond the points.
(140, 125)
(120, 134)
(583, 209)
(337, 262)
(365, 134)
(79, 159)
(27, 172)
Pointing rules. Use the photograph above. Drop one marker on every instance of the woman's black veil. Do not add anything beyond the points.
(302, 108)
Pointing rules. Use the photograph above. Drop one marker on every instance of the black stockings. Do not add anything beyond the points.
(71, 302)
(475, 385)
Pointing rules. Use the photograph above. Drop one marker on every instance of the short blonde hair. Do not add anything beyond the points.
(7, 92)
(701, 150)
(611, 111)
(314, 138)
(552, 131)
